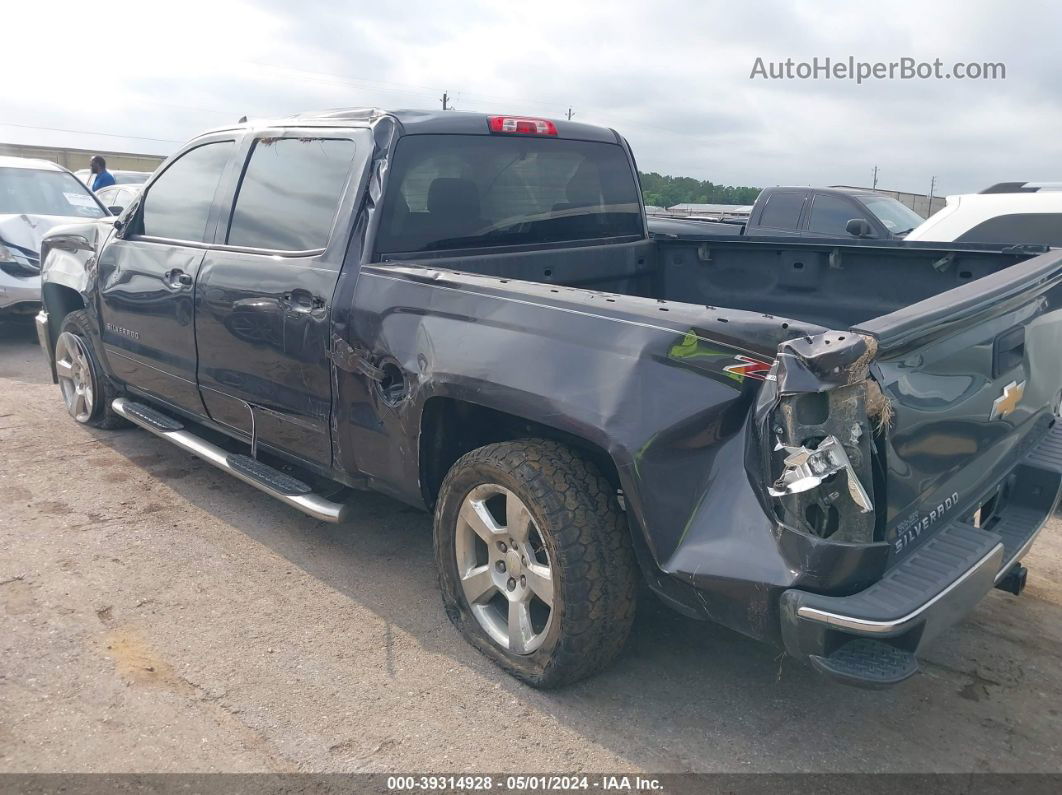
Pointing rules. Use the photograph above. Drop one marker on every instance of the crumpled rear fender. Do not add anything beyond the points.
(667, 390)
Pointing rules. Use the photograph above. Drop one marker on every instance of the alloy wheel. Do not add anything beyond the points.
(504, 568)
(76, 379)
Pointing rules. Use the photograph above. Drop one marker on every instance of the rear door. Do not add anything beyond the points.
(147, 275)
(264, 291)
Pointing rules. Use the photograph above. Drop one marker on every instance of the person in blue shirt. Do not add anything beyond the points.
(98, 166)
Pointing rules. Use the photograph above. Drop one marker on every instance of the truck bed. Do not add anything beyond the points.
(832, 284)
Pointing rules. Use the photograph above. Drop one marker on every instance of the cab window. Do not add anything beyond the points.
(782, 210)
(830, 215)
(449, 192)
(1017, 229)
(177, 205)
(290, 192)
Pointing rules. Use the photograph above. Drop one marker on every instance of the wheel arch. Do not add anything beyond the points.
(451, 427)
(58, 301)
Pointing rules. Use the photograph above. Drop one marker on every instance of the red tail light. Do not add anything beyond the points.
(519, 125)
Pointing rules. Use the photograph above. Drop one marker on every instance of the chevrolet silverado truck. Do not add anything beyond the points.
(828, 445)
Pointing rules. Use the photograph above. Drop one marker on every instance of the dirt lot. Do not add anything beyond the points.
(157, 615)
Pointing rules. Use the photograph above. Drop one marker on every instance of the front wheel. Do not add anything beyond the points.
(86, 390)
(535, 560)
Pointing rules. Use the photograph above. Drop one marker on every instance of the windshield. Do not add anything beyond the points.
(451, 192)
(898, 218)
(32, 191)
(130, 177)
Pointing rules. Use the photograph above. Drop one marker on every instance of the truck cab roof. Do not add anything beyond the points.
(424, 122)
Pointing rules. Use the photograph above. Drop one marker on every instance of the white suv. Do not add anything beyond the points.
(1008, 213)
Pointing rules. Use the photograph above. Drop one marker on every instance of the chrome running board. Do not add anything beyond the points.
(272, 481)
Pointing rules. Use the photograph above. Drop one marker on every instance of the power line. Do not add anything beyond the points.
(406, 88)
(91, 132)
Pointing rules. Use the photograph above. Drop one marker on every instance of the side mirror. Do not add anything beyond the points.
(859, 227)
(115, 209)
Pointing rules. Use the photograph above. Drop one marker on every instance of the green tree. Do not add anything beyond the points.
(667, 191)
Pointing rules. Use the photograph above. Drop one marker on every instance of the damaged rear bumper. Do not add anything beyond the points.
(871, 638)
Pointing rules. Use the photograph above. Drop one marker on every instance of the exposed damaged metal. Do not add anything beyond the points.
(807, 469)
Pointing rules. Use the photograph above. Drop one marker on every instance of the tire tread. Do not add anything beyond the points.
(591, 535)
(78, 322)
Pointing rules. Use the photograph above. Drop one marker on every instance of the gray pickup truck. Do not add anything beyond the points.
(834, 213)
(834, 447)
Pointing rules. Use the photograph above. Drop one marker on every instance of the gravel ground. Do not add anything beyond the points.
(158, 615)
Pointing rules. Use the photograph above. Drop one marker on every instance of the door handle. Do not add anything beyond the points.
(177, 278)
(301, 301)
(1008, 351)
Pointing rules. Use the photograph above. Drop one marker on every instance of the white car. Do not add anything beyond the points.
(1009, 213)
(35, 195)
(117, 197)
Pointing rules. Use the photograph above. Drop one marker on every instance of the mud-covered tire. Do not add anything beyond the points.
(99, 414)
(576, 516)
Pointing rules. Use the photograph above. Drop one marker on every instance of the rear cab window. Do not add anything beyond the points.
(450, 192)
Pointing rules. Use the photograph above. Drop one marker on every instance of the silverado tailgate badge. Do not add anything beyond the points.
(1007, 402)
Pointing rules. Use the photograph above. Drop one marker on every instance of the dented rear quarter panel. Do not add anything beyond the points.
(644, 380)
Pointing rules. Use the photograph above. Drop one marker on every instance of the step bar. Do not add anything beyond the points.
(264, 478)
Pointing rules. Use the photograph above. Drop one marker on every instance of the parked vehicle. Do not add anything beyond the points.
(118, 197)
(1008, 213)
(837, 448)
(35, 195)
(830, 212)
(120, 177)
(806, 212)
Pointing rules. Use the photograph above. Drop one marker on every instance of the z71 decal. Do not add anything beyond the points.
(748, 368)
(692, 349)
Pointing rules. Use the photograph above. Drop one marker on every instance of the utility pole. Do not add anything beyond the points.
(875, 186)
(570, 114)
(445, 98)
(932, 186)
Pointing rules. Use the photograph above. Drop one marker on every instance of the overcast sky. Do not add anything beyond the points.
(673, 77)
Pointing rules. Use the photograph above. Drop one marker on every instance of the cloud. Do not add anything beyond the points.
(672, 77)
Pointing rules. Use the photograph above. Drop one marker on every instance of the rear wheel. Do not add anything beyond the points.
(535, 561)
(86, 390)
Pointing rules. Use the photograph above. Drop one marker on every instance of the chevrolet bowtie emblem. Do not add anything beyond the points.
(1008, 401)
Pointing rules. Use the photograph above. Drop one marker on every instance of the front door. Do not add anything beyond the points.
(264, 291)
(147, 277)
